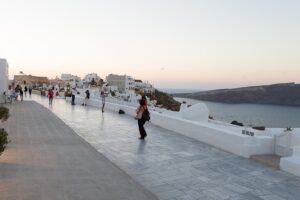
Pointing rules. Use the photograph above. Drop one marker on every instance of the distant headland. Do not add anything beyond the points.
(276, 94)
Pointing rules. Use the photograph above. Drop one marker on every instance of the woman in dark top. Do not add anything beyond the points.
(21, 93)
(87, 97)
(141, 121)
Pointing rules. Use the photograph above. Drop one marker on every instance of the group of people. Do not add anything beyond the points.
(20, 90)
(141, 110)
(13, 93)
(87, 97)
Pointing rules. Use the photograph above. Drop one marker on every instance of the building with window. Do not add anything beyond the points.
(32, 80)
(88, 79)
(123, 82)
(143, 86)
(72, 80)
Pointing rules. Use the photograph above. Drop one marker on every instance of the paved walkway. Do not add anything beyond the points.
(47, 160)
(173, 166)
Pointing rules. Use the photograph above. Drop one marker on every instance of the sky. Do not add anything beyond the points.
(192, 44)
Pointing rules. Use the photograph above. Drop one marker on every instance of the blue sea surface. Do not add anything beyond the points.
(271, 116)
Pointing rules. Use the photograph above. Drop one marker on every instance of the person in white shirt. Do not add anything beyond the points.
(74, 91)
(9, 93)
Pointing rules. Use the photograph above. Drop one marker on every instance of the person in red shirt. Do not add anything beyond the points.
(50, 95)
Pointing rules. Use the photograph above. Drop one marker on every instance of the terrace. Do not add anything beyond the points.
(168, 164)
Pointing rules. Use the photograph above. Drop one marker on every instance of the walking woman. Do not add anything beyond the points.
(87, 97)
(141, 120)
(50, 95)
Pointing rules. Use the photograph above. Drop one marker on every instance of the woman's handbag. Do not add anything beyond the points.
(139, 115)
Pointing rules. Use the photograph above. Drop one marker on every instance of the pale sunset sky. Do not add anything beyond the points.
(193, 44)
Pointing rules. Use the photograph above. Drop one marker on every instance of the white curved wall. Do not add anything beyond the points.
(198, 112)
(292, 164)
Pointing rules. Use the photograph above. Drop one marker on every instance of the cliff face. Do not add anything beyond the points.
(278, 94)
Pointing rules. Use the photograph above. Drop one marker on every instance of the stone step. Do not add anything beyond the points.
(270, 160)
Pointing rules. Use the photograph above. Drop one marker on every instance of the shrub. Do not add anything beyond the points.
(4, 113)
(288, 129)
(261, 128)
(3, 140)
(113, 93)
(68, 93)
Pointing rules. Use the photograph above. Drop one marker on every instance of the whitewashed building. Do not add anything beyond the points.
(143, 86)
(90, 77)
(72, 80)
(3, 78)
(123, 82)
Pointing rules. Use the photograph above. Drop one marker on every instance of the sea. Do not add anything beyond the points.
(270, 116)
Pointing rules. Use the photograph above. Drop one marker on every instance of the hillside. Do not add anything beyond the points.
(277, 94)
(164, 100)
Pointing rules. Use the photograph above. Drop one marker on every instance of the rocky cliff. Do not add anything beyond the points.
(278, 94)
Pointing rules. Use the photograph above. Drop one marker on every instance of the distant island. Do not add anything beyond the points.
(276, 94)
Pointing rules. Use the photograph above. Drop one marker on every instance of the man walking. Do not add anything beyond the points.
(74, 91)
(103, 100)
(30, 90)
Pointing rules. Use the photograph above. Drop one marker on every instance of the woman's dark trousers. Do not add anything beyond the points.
(73, 99)
(141, 123)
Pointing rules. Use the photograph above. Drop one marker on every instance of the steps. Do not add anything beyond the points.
(270, 160)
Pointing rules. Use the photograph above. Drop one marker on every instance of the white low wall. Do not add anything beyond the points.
(233, 142)
(292, 164)
(212, 134)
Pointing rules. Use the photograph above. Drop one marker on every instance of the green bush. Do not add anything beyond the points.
(4, 113)
(3, 140)
(68, 94)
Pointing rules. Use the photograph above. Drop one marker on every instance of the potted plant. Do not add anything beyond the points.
(288, 129)
(283, 143)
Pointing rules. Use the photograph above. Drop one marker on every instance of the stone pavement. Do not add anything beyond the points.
(174, 166)
(47, 160)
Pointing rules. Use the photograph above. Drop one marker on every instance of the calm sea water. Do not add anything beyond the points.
(271, 116)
